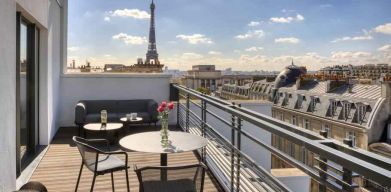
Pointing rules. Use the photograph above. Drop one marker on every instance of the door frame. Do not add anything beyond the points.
(32, 91)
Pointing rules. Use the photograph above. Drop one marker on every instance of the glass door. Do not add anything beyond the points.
(26, 91)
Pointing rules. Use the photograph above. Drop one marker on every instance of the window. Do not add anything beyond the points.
(306, 124)
(300, 99)
(361, 112)
(280, 142)
(333, 107)
(276, 98)
(303, 155)
(352, 136)
(286, 100)
(346, 110)
(282, 116)
(314, 101)
(292, 149)
(294, 120)
(326, 127)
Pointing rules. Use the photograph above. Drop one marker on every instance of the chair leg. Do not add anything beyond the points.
(78, 178)
(127, 179)
(112, 181)
(93, 183)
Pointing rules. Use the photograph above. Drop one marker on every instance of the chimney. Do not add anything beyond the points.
(386, 89)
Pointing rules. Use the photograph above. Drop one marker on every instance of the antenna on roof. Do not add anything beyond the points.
(292, 61)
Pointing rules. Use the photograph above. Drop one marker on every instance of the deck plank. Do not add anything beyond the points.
(59, 168)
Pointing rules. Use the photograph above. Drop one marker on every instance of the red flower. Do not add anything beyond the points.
(160, 109)
(164, 104)
(171, 105)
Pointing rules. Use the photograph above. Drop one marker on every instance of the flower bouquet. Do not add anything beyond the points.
(164, 109)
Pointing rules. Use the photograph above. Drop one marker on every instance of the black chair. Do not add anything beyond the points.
(100, 161)
(187, 178)
(33, 186)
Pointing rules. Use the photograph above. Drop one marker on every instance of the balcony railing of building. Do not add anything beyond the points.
(337, 166)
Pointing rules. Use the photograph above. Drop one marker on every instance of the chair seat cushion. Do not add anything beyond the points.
(181, 185)
(107, 163)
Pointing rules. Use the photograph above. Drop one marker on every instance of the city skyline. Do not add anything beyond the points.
(250, 35)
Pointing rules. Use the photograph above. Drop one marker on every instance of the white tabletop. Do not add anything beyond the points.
(99, 127)
(150, 142)
(125, 119)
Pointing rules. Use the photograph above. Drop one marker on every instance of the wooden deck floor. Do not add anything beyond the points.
(59, 168)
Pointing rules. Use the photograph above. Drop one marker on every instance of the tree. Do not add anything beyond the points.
(203, 90)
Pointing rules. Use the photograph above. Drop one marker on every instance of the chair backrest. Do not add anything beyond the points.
(189, 178)
(88, 152)
(33, 186)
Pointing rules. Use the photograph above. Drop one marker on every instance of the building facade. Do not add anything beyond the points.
(367, 71)
(205, 76)
(353, 114)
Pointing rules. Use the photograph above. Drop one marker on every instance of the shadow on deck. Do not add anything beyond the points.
(59, 168)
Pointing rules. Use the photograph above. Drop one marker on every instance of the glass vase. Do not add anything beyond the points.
(164, 133)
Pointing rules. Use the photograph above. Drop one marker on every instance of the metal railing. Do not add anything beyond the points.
(336, 165)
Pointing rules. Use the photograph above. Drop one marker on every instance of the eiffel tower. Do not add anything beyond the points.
(152, 63)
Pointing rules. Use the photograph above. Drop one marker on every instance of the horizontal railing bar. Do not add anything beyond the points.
(355, 164)
(328, 165)
(335, 178)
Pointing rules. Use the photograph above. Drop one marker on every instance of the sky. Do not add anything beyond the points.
(243, 35)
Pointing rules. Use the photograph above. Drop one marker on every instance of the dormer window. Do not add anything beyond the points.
(314, 101)
(333, 107)
(276, 98)
(286, 99)
(346, 107)
(299, 102)
(361, 111)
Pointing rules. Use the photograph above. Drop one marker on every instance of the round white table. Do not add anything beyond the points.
(149, 142)
(108, 127)
(101, 127)
(129, 120)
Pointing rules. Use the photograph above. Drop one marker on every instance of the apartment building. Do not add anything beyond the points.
(205, 76)
(354, 114)
(367, 71)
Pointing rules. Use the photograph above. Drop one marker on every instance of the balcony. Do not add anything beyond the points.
(238, 155)
(59, 168)
(240, 150)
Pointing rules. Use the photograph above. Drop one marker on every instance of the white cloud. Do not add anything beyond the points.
(385, 29)
(254, 49)
(214, 53)
(107, 18)
(128, 39)
(287, 19)
(191, 56)
(385, 48)
(251, 34)
(73, 48)
(195, 39)
(366, 36)
(292, 40)
(134, 13)
(349, 54)
(356, 38)
(253, 23)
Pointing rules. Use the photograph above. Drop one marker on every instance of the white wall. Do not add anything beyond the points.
(46, 14)
(75, 87)
(7, 95)
(296, 183)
